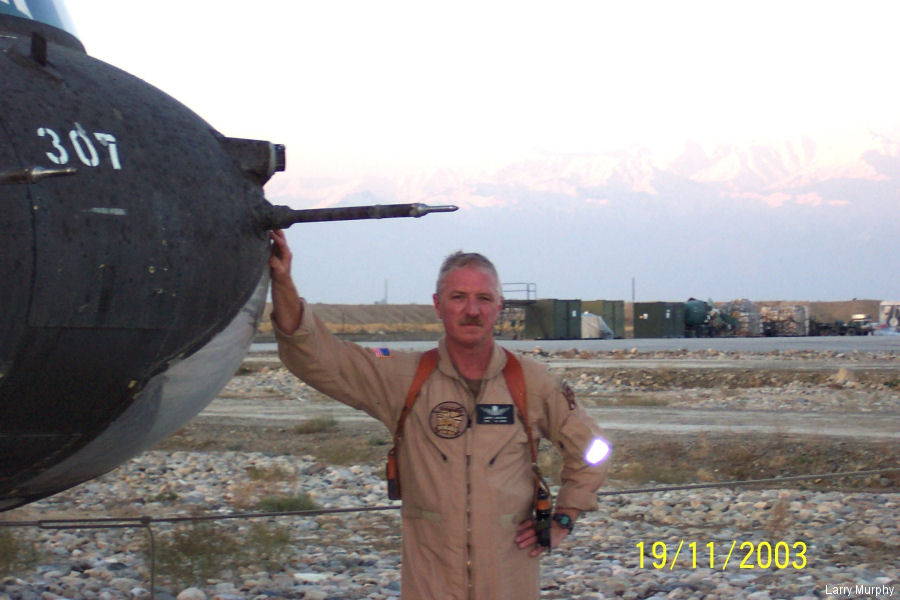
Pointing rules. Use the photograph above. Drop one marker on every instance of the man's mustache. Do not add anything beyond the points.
(471, 321)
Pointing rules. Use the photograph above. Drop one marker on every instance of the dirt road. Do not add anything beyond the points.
(676, 416)
(237, 411)
(658, 378)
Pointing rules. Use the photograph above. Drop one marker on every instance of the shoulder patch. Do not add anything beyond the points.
(381, 352)
(569, 395)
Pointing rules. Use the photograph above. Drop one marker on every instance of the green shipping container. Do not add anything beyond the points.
(553, 319)
(659, 319)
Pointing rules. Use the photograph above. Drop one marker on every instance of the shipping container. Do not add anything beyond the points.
(659, 319)
(553, 319)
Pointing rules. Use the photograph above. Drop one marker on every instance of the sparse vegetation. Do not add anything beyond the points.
(283, 503)
(350, 450)
(274, 473)
(625, 400)
(678, 459)
(317, 425)
(191, 554)
(163, 497)
(777, 524)
(267, 542)
(16, 553)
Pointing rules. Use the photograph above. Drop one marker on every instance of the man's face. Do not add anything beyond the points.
(469, 305)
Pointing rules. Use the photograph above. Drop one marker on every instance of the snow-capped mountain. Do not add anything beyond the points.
(797, 170)
(799, 218)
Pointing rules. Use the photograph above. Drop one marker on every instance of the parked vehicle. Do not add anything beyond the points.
(858, 324)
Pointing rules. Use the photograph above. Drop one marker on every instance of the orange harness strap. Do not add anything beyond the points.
(427, 364)
(515, 382)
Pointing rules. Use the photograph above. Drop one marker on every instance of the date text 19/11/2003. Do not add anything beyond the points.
(750, 555)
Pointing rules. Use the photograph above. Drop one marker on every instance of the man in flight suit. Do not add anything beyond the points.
(464, 461)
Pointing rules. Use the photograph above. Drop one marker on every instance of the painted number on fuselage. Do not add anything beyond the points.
(83, 146)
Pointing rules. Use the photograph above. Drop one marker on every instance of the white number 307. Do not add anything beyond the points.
(83, 146)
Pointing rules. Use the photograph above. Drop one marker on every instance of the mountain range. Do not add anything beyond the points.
(800, 218)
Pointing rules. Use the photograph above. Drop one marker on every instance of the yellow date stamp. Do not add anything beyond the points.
(720, 555)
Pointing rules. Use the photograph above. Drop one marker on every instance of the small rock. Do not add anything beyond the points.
(191, 593)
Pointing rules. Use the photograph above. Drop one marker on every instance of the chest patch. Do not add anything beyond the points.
(449, 420)
(496, 414)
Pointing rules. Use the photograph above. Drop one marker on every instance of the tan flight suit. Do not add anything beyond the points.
(466, 485)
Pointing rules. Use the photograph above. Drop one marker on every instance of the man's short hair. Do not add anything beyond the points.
(467, 259)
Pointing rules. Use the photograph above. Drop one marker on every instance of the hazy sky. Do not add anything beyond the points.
(381, 85)
(389, 89)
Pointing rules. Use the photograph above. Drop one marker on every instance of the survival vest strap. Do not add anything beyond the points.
(515, 382)
(427, 364)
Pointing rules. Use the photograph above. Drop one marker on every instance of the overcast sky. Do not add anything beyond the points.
(367, 85)
(388, 88)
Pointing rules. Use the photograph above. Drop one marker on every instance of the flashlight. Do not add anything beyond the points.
(542, 516)
(597, 452)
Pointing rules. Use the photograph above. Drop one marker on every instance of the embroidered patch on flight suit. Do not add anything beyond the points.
(570, 396)
(449, 420)
(495, 414)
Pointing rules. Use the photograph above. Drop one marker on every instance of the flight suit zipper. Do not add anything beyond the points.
(469, 525)
(469, 442)
(469, 434)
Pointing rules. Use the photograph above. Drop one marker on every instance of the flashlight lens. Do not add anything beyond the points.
(598, 451)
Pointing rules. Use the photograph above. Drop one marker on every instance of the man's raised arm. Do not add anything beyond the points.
(287, 311)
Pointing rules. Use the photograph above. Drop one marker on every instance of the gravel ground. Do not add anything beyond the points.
(813, 541)
(788, 543)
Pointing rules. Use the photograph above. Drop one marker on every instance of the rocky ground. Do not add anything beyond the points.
(817, 539)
